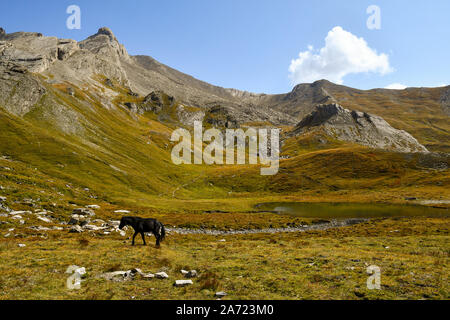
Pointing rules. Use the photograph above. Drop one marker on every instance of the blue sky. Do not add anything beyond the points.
(249, 44)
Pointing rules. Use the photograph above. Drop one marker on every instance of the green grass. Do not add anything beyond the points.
(73, 151)
(412, 255)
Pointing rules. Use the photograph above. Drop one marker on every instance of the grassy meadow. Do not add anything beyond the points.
(68, 153)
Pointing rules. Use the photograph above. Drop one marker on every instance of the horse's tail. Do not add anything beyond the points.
(162, 231)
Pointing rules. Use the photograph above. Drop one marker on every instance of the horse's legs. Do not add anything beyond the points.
(143, 238)
(157, 240)
(134, 236)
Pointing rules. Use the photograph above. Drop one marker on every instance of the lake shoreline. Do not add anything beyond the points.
(335, 223)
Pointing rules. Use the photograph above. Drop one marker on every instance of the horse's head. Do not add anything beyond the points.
(123, 222)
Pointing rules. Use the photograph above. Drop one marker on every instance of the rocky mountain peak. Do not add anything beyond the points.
(105, 43)
(358, 127)
(107, 32)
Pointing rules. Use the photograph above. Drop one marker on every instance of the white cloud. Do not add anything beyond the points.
(343, 54)
(396, 86)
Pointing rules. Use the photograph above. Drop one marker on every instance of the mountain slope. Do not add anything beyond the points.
(89, 114)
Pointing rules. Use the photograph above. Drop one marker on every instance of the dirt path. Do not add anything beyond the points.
(319, 226)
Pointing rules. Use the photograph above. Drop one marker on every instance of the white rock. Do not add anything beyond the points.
(161, 275)
(76, 229)
(13, 213)
(2, 199)
(121, 211)
(221, 294)
(93, 206)
(114, 223)
(192, 274)
(142, 274)
(182, 283)
(45, 219)
(184, 272)
(16, 217)
(21, 245)
(40, 228)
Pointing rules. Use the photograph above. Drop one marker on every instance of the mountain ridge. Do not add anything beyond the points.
(424, 111)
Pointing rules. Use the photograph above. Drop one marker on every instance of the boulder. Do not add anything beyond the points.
(182, 283)
(2, 199)
(161, 275)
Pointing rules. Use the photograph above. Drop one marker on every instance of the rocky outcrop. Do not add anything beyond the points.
(219, 116)
(33, 51)
(358, 127)
(155, 101)
(445, 101)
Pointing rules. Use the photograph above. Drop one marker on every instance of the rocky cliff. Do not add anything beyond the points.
(358, 127)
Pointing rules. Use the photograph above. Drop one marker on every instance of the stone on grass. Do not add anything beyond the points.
(192, 274)
(161, 275)
(93, 206)
(48, 220)
(182, 283)
(2, 199)
(221, 294)
(121, 211)
(128, 275)
(21, 245)
(142, 274)
(76, 229)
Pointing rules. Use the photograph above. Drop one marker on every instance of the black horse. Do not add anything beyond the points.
(141, 225)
